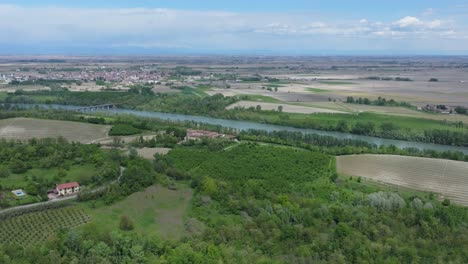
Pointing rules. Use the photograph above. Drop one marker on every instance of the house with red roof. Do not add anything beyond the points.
(67, 188)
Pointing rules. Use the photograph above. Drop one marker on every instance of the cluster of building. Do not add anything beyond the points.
(441, 109)
(124, 76)
(8, 78)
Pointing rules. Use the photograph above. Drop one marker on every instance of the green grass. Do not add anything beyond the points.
(76, 173)
(203, 88)
(317, 90)
(155, 211)
(260, 98)
(337, 83)
(41, 99)
(3, 96)
(200, 92)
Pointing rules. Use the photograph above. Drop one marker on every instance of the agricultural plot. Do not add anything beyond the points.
(37, 227)
(27, 128)
(445, 177)
(286, 107)
(148, 153)
(156, 210)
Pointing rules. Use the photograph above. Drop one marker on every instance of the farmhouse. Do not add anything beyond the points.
(67, 188)
(198, 134)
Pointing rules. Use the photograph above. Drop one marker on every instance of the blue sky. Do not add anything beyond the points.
(294, 27)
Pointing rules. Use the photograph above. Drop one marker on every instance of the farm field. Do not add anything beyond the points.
(148, 153)
(37, 227)
(155, 211)
(286, 107)
(445, 177)
(27, 128)
(400, 111)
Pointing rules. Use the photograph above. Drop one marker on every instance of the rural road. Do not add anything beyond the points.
(38, 204)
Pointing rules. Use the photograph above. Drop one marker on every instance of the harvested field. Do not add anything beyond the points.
(27, 128)
(148, 153)
(286, 107)
(446, 177)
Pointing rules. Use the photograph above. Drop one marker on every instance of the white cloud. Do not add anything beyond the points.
(408, 21)
(159, 28)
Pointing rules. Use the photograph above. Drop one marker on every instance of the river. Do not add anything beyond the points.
(245, 125)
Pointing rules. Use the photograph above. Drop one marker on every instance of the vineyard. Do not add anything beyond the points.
(446, 177)
(36, 227)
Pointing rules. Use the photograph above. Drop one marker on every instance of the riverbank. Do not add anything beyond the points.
(247, 125)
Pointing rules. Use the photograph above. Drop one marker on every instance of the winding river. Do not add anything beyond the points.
(245, 125)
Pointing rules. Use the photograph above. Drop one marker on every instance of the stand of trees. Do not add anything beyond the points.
(379, 102)
(334, 146)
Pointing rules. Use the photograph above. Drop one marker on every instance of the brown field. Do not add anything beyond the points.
(286, 107)
(148, 153)
(445, 177)
(27, 128)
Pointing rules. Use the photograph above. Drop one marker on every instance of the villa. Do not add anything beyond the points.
(67, 188)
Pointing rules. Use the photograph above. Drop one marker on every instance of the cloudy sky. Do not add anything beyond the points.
(293, 27)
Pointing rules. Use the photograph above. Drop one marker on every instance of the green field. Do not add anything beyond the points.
(259, 98)
(317, 90)
(337, 83)
(200, 91)
(155, 211)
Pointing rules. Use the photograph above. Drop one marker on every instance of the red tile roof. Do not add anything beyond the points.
(67, 185)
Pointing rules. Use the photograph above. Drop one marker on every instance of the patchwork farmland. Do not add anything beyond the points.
(27, 128)
(446, 177)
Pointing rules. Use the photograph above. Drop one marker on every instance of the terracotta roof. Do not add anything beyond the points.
(67, 185)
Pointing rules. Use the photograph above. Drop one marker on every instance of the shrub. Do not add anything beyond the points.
(4, 172)
(386, 201)
(18, 167)
(126, 223)
(123, 130)
(446, 202)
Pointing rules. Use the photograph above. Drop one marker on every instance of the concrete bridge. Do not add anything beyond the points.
(96, 108)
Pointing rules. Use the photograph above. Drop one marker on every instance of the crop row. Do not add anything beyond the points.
(37, 227)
